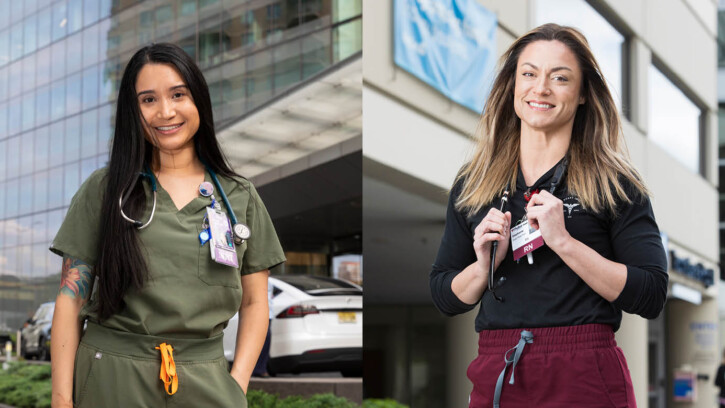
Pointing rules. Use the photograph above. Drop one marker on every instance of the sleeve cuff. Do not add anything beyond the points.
(627, 300)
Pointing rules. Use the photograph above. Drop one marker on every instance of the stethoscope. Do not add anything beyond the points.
(241, 231)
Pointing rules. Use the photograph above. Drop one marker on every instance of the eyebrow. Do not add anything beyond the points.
(552, 70)
(150, 91)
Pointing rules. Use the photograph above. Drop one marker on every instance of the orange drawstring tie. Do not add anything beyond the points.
(168, 369)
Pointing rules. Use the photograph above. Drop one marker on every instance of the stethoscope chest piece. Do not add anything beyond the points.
(241, 233)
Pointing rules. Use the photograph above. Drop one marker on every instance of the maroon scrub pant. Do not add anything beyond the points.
(574, 366)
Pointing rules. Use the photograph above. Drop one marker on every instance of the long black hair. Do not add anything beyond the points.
(121, 265)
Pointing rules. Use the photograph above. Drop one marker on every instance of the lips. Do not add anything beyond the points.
(540, 105)
(169, 128)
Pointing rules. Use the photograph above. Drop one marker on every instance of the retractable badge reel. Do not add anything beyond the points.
(218, 229)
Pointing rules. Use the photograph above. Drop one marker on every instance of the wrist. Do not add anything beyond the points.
(563, 245)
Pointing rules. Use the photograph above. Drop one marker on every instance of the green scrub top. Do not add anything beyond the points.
(187, 294)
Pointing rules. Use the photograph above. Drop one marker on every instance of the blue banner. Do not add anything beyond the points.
(448, 44)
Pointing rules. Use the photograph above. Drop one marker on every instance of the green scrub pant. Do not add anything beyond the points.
(121, 369)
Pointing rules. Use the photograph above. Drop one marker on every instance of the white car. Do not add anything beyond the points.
(317, 326)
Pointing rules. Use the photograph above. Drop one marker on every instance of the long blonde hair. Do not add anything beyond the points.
(598, 158)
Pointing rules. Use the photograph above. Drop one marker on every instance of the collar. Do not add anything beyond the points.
(542, 182)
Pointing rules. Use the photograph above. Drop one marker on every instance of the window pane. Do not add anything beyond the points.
(55, 189)
(40, 193)
(89, 134)
(209, 41)
(15, 78)
(87, 167)
(42, 105)
(90, 12)
(287, 65)
(75, 15)
(73, 94)
(344, 9)
(674, 120)
(3, 151)
(28, 73)
(4, 84)
(14, 112)
(57, 132)
(11, 200)
(4, 47)
(26, 195)
(105, 8)
(347, 40)
(55, 218)
(4, 110)
(316, 53)
(58, 54)
(110, 80)
(30, 36)
(26, 153)
(259, 78)
(105, 128)
(28, 111)
(71, 180)
(72, 138)
(74, 47)
(60, 19)
(164, 21)
(57, 96)
(16, 41)
(5, 20)
(13, 147)
(91, 37)
(90, 87)
(606, 42)
(44, 27)
(41, 148)
(42, 67)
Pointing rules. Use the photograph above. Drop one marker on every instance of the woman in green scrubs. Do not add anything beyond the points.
(156, 312)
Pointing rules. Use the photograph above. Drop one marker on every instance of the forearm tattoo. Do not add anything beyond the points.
(75, 278)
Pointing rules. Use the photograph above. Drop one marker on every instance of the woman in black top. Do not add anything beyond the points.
(551, 143)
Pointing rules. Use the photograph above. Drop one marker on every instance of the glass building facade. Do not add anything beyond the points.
(61, 63)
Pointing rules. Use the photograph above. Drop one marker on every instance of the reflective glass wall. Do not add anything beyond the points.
(60, 67)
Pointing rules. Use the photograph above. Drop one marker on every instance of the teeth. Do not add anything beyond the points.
(540, 105)
(165, 128)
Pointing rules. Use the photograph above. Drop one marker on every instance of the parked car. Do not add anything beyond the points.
(35, 334)
(317, 326)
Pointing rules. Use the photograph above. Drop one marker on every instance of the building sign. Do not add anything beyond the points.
(698, 271)
(684, 387)
(448, 44)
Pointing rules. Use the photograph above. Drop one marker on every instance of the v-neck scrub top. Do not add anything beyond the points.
(187, 295)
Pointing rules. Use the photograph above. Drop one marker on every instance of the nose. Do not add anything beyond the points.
(542, 86)
(166, 109)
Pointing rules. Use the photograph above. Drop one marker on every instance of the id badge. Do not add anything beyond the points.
(525, 239)
(222, 241)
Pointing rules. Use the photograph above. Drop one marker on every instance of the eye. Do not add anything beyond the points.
(528, 74)
(147, 99)
(178, 95)
(560, 78)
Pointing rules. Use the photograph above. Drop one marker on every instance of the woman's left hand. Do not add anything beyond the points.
(546, 213)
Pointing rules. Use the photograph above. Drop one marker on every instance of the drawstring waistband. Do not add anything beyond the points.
(526, 338)
(168, 369)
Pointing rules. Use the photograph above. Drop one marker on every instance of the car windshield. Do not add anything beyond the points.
(320, 286)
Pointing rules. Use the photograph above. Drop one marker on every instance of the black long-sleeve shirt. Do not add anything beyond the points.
(548, 293)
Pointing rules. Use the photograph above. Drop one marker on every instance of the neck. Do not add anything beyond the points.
(540, 151)
(182, 162)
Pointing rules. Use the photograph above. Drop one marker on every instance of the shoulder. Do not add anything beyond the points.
(236, 185)
(94, 186)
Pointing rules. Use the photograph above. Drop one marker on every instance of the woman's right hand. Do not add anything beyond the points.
(495, 226)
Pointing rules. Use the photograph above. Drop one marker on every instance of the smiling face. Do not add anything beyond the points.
(167, 107)
(548, 87)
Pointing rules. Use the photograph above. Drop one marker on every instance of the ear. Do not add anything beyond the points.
(582, 100)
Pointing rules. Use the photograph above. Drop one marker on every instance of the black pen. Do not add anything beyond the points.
(494, 246)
